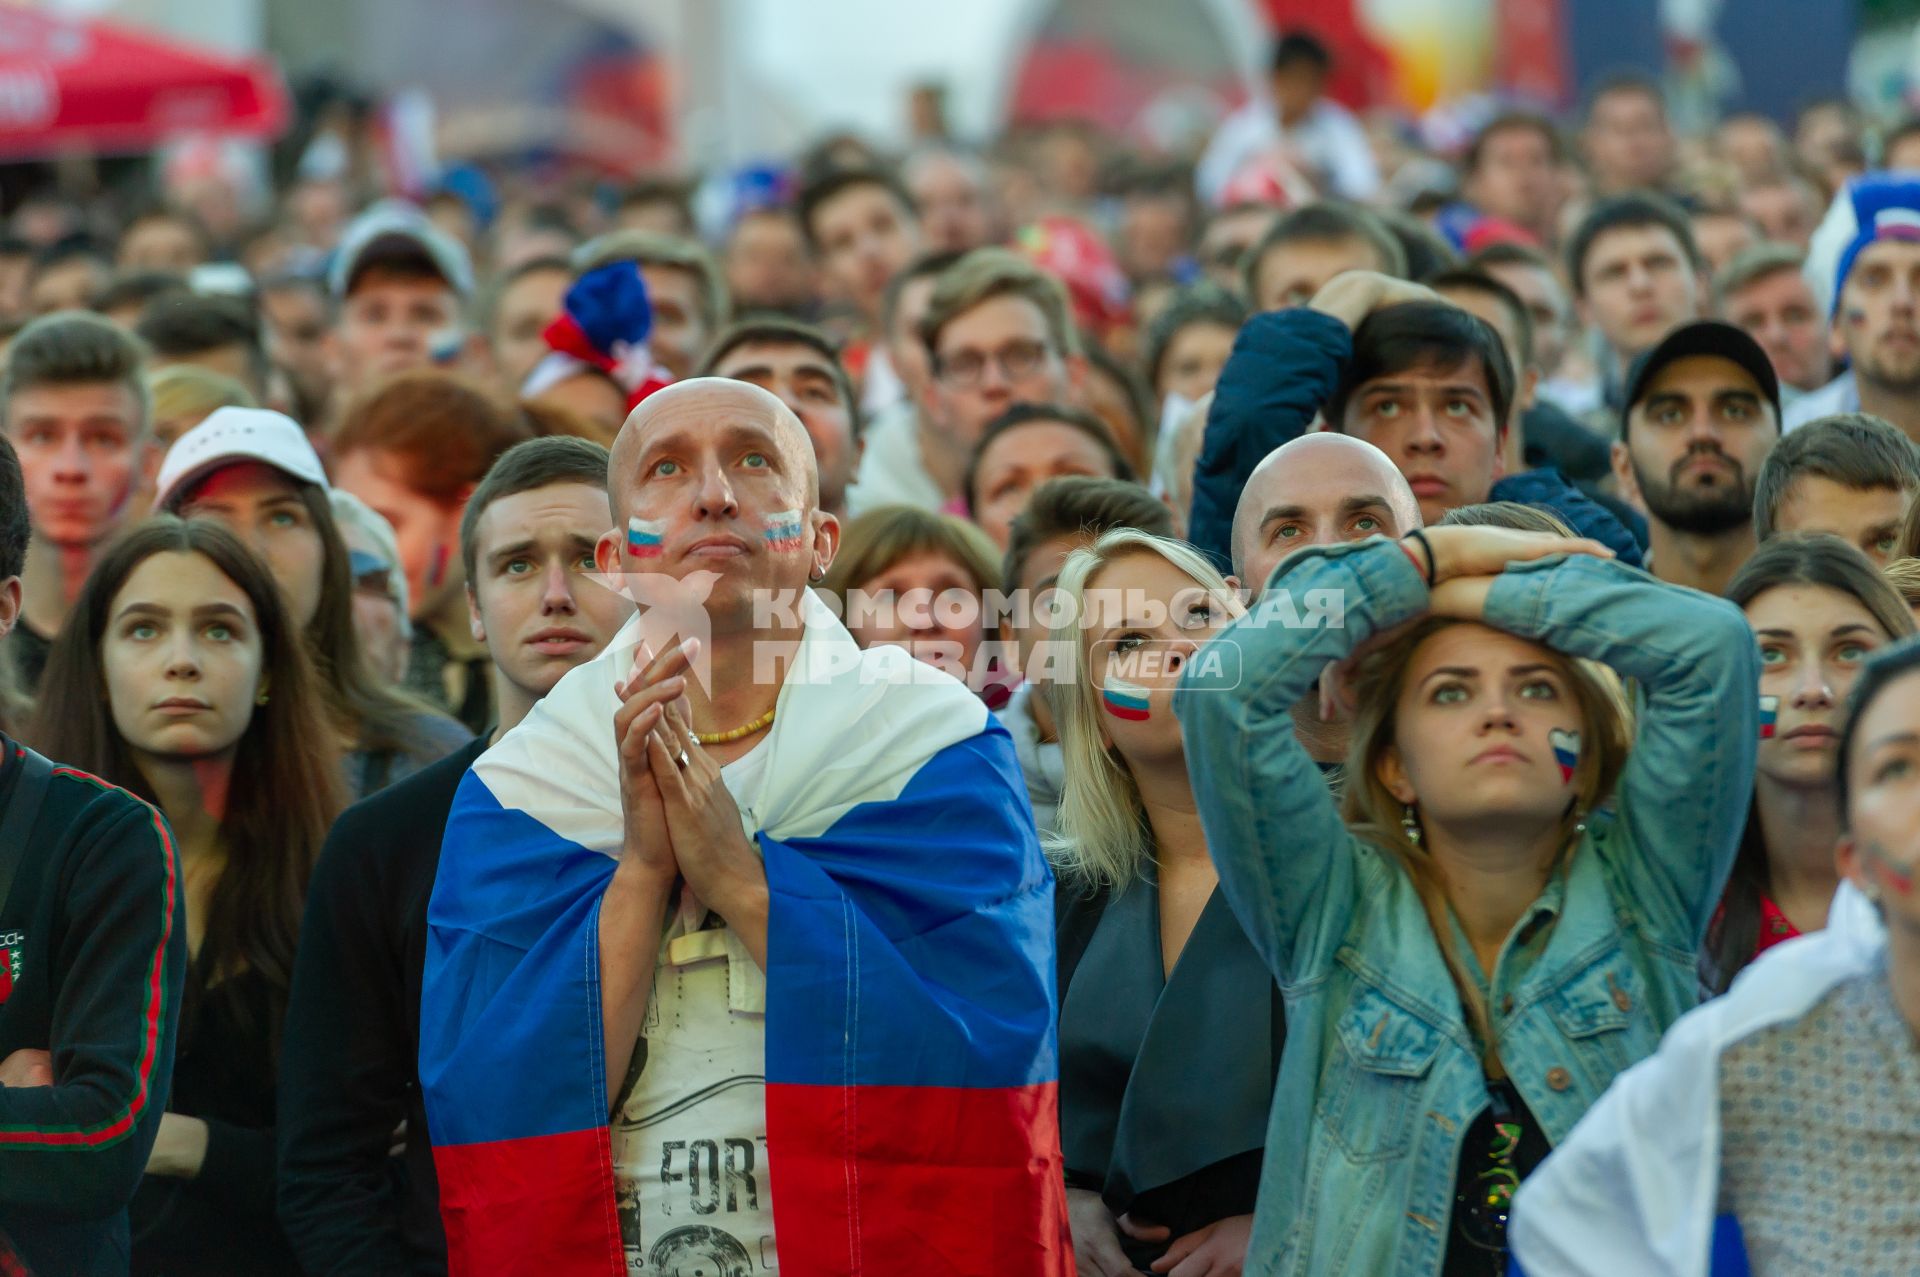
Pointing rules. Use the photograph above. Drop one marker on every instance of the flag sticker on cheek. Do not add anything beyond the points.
(1126, 700)
(644, 538)
(1769, 711)
(1898, 879)
(783, 530)
(1566, 751)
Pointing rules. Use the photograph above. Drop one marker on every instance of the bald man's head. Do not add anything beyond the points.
(1321, 489)
(716, 400)
(715, 479)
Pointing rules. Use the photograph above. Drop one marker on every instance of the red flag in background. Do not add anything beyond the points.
(1362, 71)
(68, 84)
(1530, 58)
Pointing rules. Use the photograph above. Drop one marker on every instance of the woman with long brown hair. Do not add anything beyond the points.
(1508, 910)
(254, 471)
(180, 676)
(1818, 610)
(917, 580)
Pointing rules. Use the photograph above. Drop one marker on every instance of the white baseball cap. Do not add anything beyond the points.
(236, 434)
(392, 224)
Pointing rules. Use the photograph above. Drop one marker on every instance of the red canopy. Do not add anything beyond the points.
(71, 85)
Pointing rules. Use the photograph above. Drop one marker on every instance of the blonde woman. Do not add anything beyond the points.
(1170, 1026)
(184, 395)
(1507, 912)
(1904, 576)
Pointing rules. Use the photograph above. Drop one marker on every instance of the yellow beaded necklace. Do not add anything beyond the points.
(759, 724)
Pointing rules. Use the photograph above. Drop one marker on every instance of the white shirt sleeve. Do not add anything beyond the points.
(1341, 148)
(1632, 1190)
(1241, 136)
(1635, 1187)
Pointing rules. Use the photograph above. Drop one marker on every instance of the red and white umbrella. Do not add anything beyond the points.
(69, 85)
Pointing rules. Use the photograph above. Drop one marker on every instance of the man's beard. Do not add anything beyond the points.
(1700, 512)
(1894, 372)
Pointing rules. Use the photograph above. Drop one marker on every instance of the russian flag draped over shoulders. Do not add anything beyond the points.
(910, 1049)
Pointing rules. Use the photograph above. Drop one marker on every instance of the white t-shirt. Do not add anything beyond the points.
(881, 387)
(1329, 138)
(690, 1142)
(892, 471)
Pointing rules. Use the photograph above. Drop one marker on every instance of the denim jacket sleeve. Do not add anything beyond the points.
(1285, 857)
(1284, 365)
(1682, 798)
(1587, 517)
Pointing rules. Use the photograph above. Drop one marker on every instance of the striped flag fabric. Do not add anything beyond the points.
(910, 1038)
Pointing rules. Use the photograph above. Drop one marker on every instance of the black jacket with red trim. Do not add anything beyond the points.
(92, 954)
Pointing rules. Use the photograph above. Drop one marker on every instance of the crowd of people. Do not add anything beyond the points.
(1319, 706)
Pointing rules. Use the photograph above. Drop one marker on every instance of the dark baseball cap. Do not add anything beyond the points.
(1702, 337)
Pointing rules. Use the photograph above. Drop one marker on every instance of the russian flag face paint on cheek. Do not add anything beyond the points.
(1769, 711)
(1126, 700)
(783, 530)
(1566, 752)
(1897, 878)
(644, 537)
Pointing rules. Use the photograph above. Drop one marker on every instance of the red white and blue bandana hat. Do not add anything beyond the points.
(1874, 207)
(604, 325)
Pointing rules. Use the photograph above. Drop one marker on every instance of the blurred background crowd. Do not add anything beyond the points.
(224, 177)
(219, 176)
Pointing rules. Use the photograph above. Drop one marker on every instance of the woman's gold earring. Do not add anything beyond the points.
(1410, 826)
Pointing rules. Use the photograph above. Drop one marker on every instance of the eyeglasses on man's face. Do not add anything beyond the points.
(966, 369)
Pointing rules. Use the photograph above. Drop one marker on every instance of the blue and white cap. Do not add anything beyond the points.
(1869, 208)
(398, 228)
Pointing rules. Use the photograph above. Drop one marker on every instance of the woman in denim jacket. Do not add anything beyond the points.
(1478, 947)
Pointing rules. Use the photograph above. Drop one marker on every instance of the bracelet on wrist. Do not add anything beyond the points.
(1427, 570)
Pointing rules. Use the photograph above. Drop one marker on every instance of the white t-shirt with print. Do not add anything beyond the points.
(690, 1141)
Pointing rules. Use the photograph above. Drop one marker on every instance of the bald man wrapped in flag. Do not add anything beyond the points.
(772, 902)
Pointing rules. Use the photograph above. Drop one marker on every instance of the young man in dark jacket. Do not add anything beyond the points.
(349, 1077)
(1391, 363)
(92, 953)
